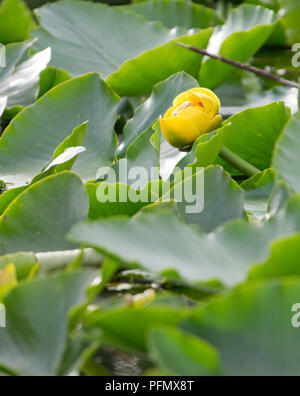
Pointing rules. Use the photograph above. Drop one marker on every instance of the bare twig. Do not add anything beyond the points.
(240, 65)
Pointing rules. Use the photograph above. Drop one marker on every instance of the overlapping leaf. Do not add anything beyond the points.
(105, 37)
(177, 13)
(31, 138)
(161, 241)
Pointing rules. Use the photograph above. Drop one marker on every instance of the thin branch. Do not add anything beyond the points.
(241, 65)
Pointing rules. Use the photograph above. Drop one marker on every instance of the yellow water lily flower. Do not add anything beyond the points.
(194, 113)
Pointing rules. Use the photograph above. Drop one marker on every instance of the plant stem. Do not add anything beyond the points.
(238, 163)
(240, 65)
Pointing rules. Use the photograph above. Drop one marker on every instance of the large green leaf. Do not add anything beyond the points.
(39, 219)
(177, 13)
(252, 133)
(160, 241)
(182, 354)
(31, 138)
(105, 37)
(15, 21)
(252, 329)
(286, 154)
(33, 342)
(161, 99)
(244, 32)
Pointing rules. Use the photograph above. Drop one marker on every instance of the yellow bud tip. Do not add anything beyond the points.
(194, 113)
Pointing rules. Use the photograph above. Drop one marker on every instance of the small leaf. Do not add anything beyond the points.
(33, 342)
(15, 21)
(58, 202)
(245, 31)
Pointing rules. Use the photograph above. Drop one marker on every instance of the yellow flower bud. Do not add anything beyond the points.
(194, 113)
